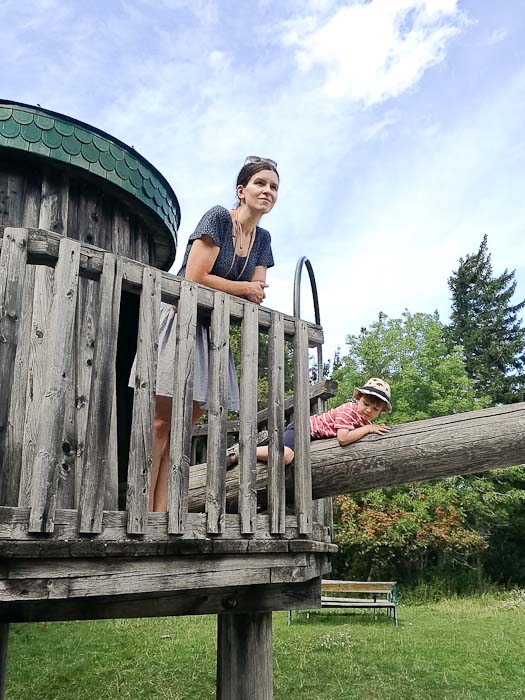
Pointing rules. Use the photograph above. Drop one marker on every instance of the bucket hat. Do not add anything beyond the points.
(376, 387)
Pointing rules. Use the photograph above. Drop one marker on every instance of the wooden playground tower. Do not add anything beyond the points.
(86, 228)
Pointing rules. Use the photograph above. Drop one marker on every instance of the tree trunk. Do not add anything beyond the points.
(420, 451)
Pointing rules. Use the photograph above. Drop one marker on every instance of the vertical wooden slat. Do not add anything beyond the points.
(276, 468)
(248, 419)
(12, 272)
(84, 358)
(36, 375)
(17, 409)
(217, 414)
(53, 212)
(302, 470)
(46, 472)
(139, 469)
(88, 223)
(111, 497)
(97, 460)
(181, 418)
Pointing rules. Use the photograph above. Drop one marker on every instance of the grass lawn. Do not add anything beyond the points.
(461, 649)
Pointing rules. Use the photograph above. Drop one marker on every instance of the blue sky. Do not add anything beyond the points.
(397, 126)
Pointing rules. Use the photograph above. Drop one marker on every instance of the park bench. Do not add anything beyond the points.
(374, 595)
(361, 594)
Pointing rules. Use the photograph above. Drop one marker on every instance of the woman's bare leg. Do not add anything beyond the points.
(160, 448)
(159, 495)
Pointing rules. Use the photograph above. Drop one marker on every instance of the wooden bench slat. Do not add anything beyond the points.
(356, 602)
(380, 595)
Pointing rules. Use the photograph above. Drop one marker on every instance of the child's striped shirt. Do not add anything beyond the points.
(326, 425)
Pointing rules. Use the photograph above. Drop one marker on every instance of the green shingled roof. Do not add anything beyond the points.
(61, 138)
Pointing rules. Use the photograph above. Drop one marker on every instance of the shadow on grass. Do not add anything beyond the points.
(334, 618)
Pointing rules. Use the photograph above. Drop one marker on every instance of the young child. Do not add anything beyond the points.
(348, 422)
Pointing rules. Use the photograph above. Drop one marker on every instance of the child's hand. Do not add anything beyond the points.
(380, 428)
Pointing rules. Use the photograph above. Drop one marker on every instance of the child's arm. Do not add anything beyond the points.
(347, 437)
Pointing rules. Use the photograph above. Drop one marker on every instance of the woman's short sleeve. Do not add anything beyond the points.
(264, 253)
(216, 224)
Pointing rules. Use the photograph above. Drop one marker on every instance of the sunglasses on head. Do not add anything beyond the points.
(257, 159)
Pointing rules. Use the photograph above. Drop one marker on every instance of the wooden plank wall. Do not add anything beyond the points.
(49, 479)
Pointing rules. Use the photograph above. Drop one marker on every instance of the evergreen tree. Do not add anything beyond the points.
(487, 326)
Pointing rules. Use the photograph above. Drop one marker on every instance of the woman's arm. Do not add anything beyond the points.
(201, 260)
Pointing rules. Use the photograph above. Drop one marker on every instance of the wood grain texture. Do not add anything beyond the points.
(464, 443)
(139, 469)
(99, 460)
(302, 467)
(120, 567)
(244, 656)
(17, 408)
(276, 467)
(43, 249)
(14, 526)
(248, 419)
(204, 601)
(42, 295)
(58, 350)
(12, 273)
(181, 419)
(217, 413)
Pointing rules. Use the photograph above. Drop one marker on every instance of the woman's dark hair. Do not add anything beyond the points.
(250, 169)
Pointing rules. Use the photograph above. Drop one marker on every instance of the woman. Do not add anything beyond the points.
(228, 251)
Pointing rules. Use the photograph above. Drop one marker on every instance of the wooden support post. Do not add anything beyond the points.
(4, 636)
(244, 656)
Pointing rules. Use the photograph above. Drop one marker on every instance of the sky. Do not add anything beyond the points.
(397, 126)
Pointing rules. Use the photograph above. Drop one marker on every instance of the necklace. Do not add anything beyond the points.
(238, 250)
(238, 235)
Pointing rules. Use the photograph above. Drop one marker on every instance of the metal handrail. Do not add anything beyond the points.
(297, 303)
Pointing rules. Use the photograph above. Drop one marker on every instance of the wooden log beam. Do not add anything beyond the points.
(464, 443)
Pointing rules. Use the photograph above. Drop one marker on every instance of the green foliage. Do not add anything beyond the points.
(487, 325)
(459, 531)
(398, 533)
(262, 382)
(427, 377)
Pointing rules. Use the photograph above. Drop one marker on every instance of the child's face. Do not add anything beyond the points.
(368, 407)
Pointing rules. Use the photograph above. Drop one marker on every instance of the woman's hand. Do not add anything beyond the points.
(255, 291)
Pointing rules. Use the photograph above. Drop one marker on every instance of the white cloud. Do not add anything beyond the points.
(497, 36)
(375, 50)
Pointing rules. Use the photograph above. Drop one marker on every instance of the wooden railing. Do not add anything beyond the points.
(59, 450)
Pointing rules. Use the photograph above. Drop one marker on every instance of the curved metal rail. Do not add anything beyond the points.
(297, 303)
